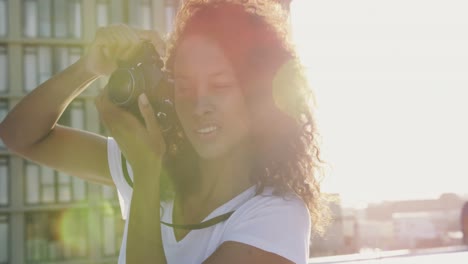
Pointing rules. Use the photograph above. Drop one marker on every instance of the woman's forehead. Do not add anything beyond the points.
(200, 54)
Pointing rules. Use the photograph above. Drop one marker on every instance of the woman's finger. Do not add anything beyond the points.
(104, 112)
(129, 40)
(147, 112)
(154, 38)
(115, 118)
(151, 123)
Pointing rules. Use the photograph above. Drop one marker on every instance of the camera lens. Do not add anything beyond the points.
(121, 87)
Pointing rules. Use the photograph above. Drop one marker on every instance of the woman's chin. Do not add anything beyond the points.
(210, 152)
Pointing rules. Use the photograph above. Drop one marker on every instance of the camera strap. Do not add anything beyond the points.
(204, 224)
(125, 170)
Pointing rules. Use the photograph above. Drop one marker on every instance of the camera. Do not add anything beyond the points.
(142, 73)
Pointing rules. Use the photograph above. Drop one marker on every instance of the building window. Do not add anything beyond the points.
(39, 184)
(102, 13)
(3, 113)
(65, 56)
(31, 73)
(4, 182)
(52, 18)
(146, 21)
(108, 193)
(140, 15)
(107, 13)
(79, 189)
(3, 17)
(170, 12)
(41, 62)
(64, 187)
(56, 235)
(112, 231)
(3, 68)
(45, 186)
(4, 239)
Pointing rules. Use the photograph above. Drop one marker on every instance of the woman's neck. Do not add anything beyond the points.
(225, 177)
(219, 181)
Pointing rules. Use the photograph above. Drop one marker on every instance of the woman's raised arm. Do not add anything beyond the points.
(31, 130)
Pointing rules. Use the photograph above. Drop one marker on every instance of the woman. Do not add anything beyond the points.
(242, 166)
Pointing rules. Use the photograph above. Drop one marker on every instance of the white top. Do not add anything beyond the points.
(271, 223)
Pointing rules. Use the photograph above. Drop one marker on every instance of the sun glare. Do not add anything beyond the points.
(391, 86)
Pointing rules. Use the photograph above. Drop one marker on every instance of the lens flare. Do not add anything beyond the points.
(72, 230)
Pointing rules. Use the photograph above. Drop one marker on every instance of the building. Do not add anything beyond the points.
(46, 216)
(413, 229)
(375, 235)
(414, 223)
(385, 210)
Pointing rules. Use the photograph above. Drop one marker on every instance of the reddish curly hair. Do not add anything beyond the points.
(254, 36)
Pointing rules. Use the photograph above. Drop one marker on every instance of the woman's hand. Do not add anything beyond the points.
(114, 43)
(142, 144)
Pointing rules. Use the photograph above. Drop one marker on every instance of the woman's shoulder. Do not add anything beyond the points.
(274, 223)
(269, 196)
(269, 203)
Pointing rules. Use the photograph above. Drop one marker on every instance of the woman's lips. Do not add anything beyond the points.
(207, 131)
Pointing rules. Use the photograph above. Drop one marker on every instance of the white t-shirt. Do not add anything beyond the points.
(271, 223)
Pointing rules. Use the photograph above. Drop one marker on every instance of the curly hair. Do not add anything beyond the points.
(254, 36)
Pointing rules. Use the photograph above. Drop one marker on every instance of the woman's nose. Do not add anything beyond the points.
(203, 103)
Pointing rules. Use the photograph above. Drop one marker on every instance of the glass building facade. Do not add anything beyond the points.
(47, 216)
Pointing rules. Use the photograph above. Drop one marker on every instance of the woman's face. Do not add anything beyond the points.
(208, 99)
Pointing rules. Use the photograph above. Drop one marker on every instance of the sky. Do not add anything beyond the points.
(391, 79)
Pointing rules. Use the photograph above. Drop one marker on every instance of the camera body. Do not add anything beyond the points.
(142, 74)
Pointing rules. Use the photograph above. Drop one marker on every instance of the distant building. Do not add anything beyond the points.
(419, 223)
(351, 233)
(376, 235)
(413, 230)
(385, 210)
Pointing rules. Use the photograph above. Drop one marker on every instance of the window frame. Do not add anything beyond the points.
(4, 108)
(8, 236)
(5, 20)
(5, 159)
(4, 51)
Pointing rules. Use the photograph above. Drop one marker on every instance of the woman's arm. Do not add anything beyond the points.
(31, 131)
(234, 252)
(143, 146)
(144, 242)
